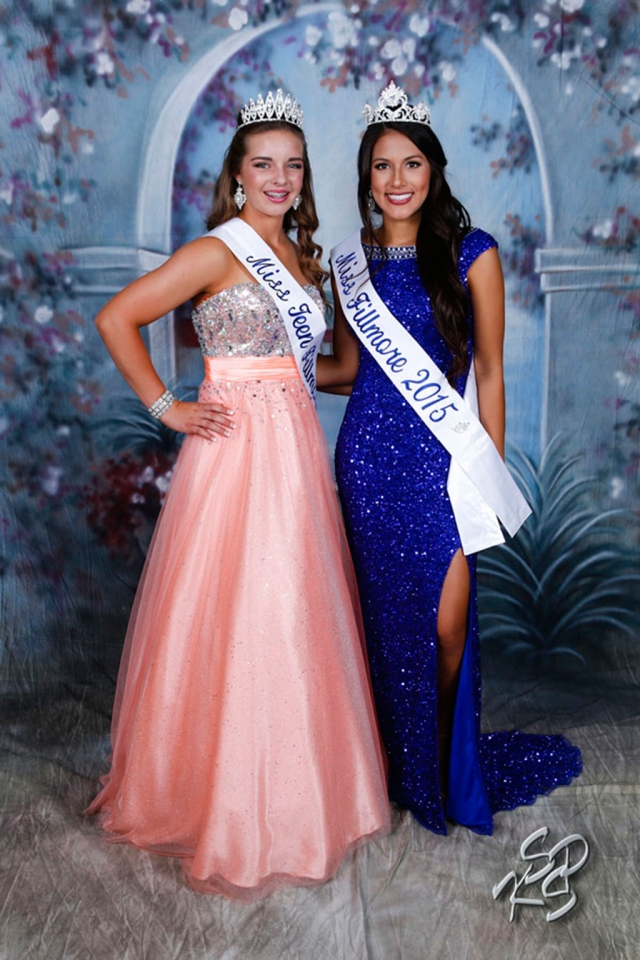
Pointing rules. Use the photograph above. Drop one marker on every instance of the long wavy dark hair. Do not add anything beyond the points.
(443, 224)
(305, 218)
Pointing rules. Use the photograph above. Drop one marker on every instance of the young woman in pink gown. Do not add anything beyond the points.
(244, 739)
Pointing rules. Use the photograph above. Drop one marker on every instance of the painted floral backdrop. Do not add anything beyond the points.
(538, 106)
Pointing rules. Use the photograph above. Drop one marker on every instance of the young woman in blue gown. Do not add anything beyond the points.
(442, 281)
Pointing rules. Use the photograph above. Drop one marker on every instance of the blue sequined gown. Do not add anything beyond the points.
(392, 476)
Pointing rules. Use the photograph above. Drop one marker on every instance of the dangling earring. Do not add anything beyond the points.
(370, 201)
(239, 197)
(296, 203)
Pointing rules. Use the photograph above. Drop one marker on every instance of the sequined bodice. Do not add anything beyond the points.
(396, 278)
(243, 321)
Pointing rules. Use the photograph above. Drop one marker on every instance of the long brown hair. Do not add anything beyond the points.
(443, 224)
(305, 218)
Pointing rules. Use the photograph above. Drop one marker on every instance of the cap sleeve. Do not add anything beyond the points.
(471, 246)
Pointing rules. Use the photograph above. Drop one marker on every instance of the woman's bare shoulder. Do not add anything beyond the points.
(209, 250)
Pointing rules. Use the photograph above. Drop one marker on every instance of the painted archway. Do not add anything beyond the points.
(527, 343)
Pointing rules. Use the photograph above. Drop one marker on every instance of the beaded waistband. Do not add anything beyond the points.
(250, 368)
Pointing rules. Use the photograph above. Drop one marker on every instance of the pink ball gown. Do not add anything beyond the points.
(244, 738)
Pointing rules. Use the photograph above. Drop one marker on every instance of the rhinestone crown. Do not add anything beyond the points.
(272, 107)
(394, 107)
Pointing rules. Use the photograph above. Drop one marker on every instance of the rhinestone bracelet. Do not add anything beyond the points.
(162, 404)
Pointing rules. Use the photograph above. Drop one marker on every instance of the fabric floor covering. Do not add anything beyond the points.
(66, 893)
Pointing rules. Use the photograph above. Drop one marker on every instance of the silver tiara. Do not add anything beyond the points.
(272, 107)
(394, 107)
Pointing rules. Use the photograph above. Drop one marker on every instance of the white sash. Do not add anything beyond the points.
(302, 318)
(480, 487)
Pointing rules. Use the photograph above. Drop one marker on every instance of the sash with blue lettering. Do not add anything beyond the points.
(480, 487)
(302, 318)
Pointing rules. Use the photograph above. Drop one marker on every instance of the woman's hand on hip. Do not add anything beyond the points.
(208, 420)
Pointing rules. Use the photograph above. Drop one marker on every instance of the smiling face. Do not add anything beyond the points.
(400, 177)
(271, 171)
